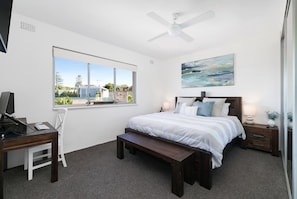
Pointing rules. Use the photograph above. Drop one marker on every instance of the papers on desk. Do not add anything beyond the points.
(40, 126)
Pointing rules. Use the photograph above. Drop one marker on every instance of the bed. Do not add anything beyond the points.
(169, 127)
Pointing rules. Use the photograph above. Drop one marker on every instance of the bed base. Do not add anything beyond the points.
(203, 159)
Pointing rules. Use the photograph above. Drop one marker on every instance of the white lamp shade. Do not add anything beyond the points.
(166, 105)
(249, 110)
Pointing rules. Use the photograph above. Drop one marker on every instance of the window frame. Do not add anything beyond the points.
(93, 60)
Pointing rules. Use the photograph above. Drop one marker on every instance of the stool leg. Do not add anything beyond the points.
(62, 156)
(30, 165)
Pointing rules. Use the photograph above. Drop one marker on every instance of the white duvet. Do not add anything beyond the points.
(208, 133)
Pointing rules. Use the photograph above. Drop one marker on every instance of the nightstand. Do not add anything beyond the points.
(261, 137)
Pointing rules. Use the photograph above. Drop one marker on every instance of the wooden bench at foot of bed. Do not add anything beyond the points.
(202, 160)
(180, 159)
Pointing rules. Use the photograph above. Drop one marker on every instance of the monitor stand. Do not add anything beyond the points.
(5, 121)
(9, 120)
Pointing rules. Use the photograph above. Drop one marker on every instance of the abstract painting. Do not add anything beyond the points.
(216, 71)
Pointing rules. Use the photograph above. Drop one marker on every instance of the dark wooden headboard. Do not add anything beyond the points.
(235, 108)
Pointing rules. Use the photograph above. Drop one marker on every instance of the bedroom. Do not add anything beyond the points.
(29, 60)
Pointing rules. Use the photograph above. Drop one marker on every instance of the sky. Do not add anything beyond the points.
(99, 75)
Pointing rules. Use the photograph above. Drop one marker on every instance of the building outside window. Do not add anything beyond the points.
(84, 80)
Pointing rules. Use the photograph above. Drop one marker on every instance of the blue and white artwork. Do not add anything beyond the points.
(216, 71)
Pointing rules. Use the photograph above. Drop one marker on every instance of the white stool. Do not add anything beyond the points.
(34, 155)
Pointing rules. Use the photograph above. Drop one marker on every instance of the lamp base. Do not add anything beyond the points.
(249, 120)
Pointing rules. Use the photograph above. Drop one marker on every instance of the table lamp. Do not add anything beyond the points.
(250, 111)
(166, 106)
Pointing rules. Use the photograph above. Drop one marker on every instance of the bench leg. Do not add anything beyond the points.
(177, 178)
(189, 170)
(131, 149)
(120, 148)
(205, 172)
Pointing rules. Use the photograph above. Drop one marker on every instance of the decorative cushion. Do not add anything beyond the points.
(179, 107)
(225, 110)
(218, 105)
(204, 108)
(190, 110)
(188, 100)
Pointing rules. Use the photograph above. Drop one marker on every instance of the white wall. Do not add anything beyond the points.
(257, 72)
(27, 70)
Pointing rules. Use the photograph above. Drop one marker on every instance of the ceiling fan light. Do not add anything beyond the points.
(174, 30)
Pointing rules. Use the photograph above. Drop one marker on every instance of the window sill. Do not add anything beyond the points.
(100, 105)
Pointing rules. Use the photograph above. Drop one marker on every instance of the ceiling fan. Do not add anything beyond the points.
(175, 29)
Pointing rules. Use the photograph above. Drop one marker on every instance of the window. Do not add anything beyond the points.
(84, 80)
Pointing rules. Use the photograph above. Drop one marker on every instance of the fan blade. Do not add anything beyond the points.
(204, 16)
(185, 36)
(156, 17)
(158, 36)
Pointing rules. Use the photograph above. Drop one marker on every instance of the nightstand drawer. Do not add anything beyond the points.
(263, 136)
(260, 143)
(264, 131)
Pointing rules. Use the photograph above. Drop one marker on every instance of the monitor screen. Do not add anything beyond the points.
(2, 44)
(5, 15)
(7, 103)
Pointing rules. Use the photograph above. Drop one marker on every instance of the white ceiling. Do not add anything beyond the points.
(125, 22)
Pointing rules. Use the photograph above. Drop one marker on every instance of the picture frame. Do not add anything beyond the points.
(215, 71)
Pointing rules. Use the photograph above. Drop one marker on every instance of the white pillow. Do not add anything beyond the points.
(190, 110)
(225, 110)
(217, 107)
(180, 106)
(188, 100)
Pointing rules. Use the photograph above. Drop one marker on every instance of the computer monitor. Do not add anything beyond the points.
(5, 18)
(6, 103)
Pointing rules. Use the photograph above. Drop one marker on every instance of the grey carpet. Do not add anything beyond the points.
(96, 173)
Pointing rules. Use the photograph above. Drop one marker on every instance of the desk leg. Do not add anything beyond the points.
(5, 161)
(1, 171)
(54, 165)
